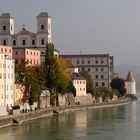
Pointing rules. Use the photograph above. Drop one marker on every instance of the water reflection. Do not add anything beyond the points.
(122, 122)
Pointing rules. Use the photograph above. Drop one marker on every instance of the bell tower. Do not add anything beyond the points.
(6, 29)
(44, 33)
(6, 24)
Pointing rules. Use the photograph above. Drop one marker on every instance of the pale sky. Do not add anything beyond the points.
(86, 26)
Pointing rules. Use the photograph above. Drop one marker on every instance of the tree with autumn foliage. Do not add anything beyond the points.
(58, 81)
(33, 79)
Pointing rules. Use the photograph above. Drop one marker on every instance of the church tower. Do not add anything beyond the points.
(43, 32)
(130, 84)
(6, 29)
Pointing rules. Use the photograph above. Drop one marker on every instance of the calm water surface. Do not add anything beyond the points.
(114, 123)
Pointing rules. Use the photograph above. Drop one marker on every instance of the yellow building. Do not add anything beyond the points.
(18, 93)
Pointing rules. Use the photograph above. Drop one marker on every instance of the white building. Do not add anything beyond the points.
(26, 38)
(130, 84)
(99, 66)
(7, 79)
(79, 83)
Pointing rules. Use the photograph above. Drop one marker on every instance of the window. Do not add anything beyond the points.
(31, 53)
(16, 61)
(23, 42)
(14, 42)
(88, 62)
(103, 84)
(33, 42)
(102, 76)
(96, 62)
(77, 61)
(42, 52)
(4, 28)
(83, 62)
(1, 49)
(102, 61)
(5, 50)
(4, 42)
(89, 69)
(16, 52)
(96, 84)
(0, 75)
(102, 69)
(96, 76)
(42, 41)
(96, 69)
(9, 50)
(42, 27)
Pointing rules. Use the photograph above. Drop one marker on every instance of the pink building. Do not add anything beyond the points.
(7, 50)
(30, 57)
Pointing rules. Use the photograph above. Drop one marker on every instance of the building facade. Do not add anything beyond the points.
(29, 57)
(26, 38)
(7, 79)
(99, 66)
(79, 83)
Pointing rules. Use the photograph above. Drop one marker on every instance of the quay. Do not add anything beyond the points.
(49, 112)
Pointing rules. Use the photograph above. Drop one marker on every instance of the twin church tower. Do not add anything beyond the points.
(26, 38)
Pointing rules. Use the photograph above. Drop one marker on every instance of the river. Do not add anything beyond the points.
(113, 123)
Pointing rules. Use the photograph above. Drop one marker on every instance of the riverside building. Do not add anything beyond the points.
(7, 79)
(25, 38)
(99, 66)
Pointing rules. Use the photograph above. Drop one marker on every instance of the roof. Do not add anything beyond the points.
(130, 77)
(70, 64)
(43, 14)
(77, 76)
(85, 55)
(24, 31)
(5, 15)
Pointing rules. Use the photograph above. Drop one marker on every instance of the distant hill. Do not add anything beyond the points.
(123, 70)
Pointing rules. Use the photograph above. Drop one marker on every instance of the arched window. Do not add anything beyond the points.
(42, 41)
(33, 42)
(42, 27)
(4, 28)
(23, 42)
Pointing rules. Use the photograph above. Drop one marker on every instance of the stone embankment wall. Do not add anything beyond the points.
(18, 119)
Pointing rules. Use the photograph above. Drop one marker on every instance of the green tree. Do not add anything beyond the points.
(89, 82)
(56, 76)
(118, 84)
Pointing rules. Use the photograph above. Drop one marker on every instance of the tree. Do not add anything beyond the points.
(33, 79)
(118, 84)
(56, 76)
(89, 82)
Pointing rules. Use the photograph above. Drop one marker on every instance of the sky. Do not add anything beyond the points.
(85, 26)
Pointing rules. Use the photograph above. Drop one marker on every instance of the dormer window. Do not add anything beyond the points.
(4, 28)
(42, 27)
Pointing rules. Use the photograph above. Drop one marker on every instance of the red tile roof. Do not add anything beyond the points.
(130, 77)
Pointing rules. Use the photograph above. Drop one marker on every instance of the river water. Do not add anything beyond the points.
(113, 123)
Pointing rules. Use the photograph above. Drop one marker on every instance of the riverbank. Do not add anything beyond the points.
(21, 118)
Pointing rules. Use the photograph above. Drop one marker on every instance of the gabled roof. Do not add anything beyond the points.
(70, 64)
(130, 77)
(24, 31)
(77, 76)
